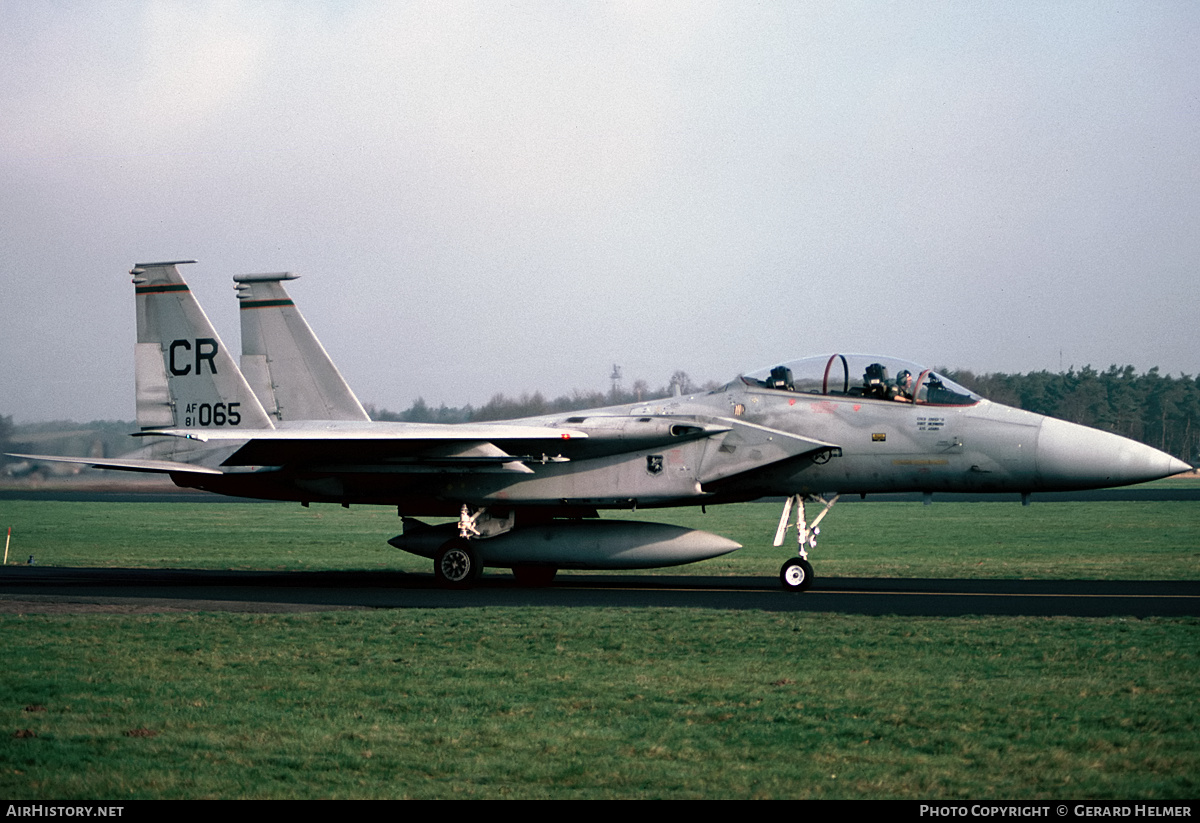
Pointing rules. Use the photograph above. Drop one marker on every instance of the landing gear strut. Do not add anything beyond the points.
(456, 563)
(797, 574)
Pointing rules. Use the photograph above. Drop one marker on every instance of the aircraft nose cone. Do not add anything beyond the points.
(1074, 456)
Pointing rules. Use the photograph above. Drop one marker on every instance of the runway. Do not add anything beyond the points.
(54, 590)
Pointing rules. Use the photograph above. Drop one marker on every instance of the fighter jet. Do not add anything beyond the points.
(527, 493)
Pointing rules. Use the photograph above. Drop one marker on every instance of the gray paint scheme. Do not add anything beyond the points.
(799, 435)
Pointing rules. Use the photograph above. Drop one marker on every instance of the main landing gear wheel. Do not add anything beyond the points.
(456, 565)
(796, 575)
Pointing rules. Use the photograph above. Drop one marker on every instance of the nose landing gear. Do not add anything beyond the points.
(796, 575)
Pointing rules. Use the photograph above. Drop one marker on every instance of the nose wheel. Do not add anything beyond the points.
(796, 574)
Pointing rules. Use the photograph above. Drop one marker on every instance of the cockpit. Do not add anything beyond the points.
(863, 375)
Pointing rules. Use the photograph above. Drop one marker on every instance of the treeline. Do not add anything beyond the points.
(1159, 410)
(503, 407)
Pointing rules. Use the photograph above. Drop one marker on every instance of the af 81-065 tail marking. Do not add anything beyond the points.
(212, 414)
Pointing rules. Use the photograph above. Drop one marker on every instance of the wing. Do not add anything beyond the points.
(386, 444)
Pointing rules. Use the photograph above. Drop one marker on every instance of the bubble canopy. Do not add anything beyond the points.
(867, 376)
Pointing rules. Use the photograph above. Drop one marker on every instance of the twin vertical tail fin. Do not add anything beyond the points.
(186, 377)
(283, 361)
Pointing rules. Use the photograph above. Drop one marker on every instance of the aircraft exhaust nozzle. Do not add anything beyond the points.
(577, 544)
(1071, 456)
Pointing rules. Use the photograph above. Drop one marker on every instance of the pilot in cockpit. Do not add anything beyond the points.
(876, 384)
(902, 391)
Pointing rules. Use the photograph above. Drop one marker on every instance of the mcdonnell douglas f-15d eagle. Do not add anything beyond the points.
(527, 493)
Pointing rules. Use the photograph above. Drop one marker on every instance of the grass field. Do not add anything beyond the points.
(607, 703)
(1118, 540)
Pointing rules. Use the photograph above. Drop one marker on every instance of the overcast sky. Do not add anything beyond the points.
(487, 196)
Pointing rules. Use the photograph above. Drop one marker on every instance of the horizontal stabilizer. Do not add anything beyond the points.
(126, 464)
